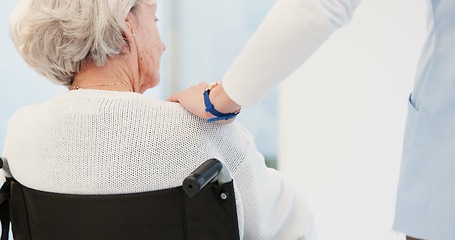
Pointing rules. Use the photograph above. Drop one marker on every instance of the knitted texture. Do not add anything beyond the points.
(104, 142)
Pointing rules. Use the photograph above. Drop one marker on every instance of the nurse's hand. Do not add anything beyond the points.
(192, 99)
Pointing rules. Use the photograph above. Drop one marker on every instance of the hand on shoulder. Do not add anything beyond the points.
(192, 99)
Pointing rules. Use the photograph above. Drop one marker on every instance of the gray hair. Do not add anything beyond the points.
(56, 37)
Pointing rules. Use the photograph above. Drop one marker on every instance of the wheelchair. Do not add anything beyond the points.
(202, 208)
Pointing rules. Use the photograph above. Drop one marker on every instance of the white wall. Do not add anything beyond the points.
(342, 120)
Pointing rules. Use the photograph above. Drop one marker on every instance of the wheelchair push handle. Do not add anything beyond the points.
(200, 177)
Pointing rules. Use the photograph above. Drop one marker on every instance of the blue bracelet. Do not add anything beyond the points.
(211, 109)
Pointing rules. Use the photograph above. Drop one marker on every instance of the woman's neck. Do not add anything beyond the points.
(115, 75)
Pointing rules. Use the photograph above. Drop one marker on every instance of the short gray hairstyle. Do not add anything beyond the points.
(56, 37)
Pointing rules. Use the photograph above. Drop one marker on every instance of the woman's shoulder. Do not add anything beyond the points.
(128, 109)
(28, 111)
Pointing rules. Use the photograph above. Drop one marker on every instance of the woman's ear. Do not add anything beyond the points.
(128, 33)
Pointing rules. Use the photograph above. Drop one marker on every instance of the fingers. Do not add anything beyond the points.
(203, 84)
(175, 97)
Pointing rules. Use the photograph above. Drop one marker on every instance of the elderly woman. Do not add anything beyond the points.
(104, 137)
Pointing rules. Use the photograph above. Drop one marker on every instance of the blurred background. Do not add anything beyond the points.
(335, 126)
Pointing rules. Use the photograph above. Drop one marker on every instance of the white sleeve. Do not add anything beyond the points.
(289, 34)
(272, 206)
(5, 172)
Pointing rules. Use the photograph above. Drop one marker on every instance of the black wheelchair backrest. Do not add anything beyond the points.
(200, 209)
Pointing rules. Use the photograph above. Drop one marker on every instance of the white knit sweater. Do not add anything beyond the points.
(104, 142)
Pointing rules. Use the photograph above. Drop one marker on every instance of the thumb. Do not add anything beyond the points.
(173, 98)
